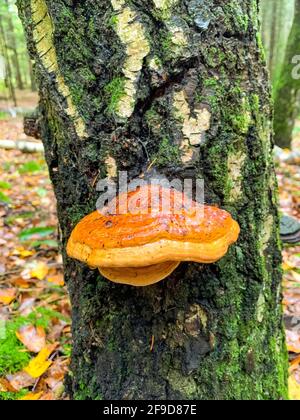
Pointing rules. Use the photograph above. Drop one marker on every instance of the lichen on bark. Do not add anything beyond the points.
(43, 32)
(132, 34)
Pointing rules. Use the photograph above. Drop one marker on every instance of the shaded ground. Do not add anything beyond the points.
(34, 307)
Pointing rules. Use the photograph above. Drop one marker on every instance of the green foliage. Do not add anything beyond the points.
(30, 167)
(27, 234)
(5, 185)
(10, 396)
(3, 115)
(4, 198)
(13, 355)
(6, 166)
(114, 91)
(113, 21)
(10, 220)
(48, 242)
(41, 192)
(167, 154)
(167, 46)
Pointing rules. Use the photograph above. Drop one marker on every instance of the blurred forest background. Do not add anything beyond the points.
(15, 59)
(33, 299)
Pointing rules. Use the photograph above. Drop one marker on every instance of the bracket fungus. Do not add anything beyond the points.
(136, 240)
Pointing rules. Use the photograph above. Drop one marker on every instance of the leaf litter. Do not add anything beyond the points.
(35, 336)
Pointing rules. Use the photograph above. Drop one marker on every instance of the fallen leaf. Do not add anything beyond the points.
(294, 389)
(26, 254)
(286, 267)
(34, 339)
(49, 396)
(20, 283)
(293, 349)
(6, 386)
(40, 364)
(295, 362)
(296, 276)
(20, 380)
(26, 306)
(7, 295)
(58, 280)
(2, 268)
(32, 396)
(40, 271)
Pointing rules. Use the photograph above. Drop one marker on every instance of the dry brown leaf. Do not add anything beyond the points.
(20, 283)
(7, 295)
(296, 276)
(34, 339)
(58, 280)
(48, 396)
(6, 386)
(20, 380)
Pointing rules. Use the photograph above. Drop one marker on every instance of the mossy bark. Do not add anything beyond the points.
(207, 332)
(287, 91)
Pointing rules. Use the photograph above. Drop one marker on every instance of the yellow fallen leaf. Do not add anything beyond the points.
(39, 365)
(7, 295)
(25, 253)
(286, 267)
(293, 349)
(32, 397)
(294, 389)
(40, 271)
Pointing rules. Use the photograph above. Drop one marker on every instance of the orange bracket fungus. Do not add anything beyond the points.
(135, 240)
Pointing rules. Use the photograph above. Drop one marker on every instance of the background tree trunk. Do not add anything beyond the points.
(277, 19)
(8, 71)
(13, 47)
(117, 78)
(287, 99)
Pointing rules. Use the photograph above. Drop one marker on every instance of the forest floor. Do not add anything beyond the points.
(35, 338)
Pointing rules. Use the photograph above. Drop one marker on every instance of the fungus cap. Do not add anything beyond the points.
(151, 236)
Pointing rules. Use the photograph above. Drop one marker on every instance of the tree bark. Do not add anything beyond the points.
(287, 99)
(31, 75)
(181, 86)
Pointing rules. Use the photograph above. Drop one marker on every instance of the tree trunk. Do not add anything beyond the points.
(273, 38)
(183, 87)
(8, 72)
(32, 78)
(277, 19)
(287, 100)
(13, 47)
